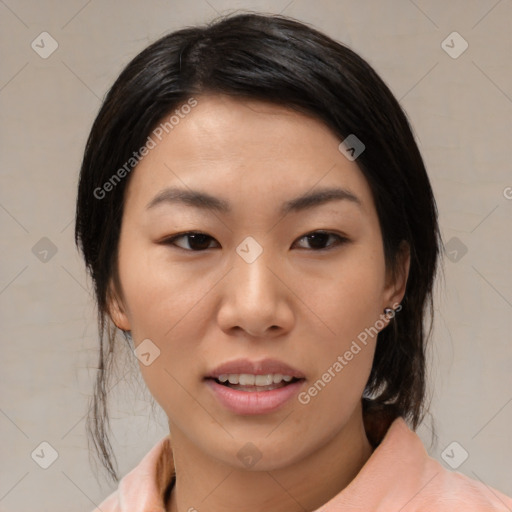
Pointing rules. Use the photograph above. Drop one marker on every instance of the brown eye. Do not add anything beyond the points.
(196, 241)
(318, 240)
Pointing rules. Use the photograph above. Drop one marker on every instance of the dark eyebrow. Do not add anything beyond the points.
(204, 200)
(319, 197)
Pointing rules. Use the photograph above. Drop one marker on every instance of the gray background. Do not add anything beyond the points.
(461, 112)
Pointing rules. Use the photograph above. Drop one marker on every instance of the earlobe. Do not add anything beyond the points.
(116, 311)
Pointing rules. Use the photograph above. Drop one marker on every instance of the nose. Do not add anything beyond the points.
(255, 298)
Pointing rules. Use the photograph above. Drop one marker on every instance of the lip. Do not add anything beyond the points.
(261, 367)
(253, 402)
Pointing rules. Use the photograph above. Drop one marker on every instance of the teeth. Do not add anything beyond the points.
(263, 380)
(234, 379)
(246, 379)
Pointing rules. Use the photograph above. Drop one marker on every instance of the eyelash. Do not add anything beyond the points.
(340, 240)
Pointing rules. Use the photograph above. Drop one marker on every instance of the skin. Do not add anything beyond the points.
(206, 307)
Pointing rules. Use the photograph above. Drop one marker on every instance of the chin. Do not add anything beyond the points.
(261, 453)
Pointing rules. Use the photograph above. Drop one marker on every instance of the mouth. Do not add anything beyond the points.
(247, 387)
(255, 383)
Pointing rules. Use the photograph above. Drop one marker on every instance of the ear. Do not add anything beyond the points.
(116, 309)
(396, 284)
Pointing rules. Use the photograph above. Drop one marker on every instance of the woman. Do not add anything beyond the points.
(292, 372)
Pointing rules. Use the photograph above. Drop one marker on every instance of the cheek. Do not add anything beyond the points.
(165, 305)
(348, 305)
(334, 396)
(347, 296)
(349, 308)
(159, 294)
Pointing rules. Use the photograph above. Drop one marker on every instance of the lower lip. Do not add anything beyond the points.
(253, 402)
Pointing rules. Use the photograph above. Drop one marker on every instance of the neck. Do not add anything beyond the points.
(306, 485)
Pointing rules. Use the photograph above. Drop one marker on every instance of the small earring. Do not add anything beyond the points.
(389, 312)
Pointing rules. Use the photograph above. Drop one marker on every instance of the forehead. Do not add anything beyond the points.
(239, 147)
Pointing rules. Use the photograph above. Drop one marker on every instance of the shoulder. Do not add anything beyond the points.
(451, 488)
(143, 488)
(425, 483)
(400, 475)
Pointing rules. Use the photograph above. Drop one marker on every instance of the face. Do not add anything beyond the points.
(263, 280)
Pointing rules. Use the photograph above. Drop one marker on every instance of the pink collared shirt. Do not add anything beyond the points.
(398, 476)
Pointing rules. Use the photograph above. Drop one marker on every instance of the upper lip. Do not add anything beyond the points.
(261, 367)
